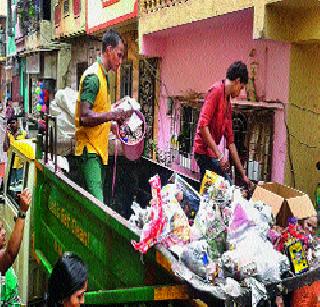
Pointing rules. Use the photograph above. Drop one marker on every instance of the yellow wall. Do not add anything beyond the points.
(305, 126)
(187, 12)
(70, 25)
(292, 24)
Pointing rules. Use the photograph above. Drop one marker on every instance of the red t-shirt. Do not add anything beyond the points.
(216, 113)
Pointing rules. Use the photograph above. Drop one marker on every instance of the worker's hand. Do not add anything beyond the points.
(224, 164)
(25, 200)
(121, 115)
(248, 182)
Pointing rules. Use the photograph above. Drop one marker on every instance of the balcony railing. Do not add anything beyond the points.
(149, 6)
(41, 38)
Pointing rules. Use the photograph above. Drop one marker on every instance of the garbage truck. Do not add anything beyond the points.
(65, 217)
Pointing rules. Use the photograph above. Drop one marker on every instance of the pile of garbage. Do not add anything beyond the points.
(131, 130)
(225, 243)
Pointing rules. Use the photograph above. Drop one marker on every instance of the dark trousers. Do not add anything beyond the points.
(206, 163)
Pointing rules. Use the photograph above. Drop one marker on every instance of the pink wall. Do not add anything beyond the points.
(196, 55)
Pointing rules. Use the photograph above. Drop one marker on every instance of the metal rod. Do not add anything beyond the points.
(55, 145)
(51, 143)
(47, 140)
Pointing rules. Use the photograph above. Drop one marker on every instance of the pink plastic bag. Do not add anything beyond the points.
(239, 219)
(152, 230)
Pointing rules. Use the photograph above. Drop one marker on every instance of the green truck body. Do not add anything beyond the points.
(67, 218)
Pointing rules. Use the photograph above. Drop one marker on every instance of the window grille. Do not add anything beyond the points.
(126, 79)
(66, 7)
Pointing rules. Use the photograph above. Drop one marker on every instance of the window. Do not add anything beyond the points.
(46, 9)
(253, 136)
(188, 125)
(66, 7)
(126, 79)
(16, 179)
(76, 7)
(57, 15)
(183, 129)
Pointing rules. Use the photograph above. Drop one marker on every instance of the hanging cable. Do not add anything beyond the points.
(291, 165)
(303, 143)
(304, 109)
(289, 135)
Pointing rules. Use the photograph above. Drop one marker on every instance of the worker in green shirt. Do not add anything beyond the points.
(93, 114)
(9, 252)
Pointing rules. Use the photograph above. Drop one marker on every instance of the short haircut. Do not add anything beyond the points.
(111, 38)
(238, 70)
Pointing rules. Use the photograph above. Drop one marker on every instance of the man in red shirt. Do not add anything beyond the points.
(215, 121)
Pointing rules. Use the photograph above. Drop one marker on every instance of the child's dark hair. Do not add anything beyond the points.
(68, 276)
(238, 70)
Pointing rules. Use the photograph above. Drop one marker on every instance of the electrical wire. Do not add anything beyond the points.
(292, 171)
(293, 135)
(304, 144)
(289, 134)
(304, 109)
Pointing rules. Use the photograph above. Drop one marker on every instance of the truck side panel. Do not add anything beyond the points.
(69, 219)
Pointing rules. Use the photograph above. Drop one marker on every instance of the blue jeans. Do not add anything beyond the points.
(206, 163)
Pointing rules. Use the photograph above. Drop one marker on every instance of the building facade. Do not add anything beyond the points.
(195, 41)
(176, 50)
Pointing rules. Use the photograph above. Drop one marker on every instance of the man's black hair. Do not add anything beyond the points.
(68, 276)
(238, 70)
(111, 38)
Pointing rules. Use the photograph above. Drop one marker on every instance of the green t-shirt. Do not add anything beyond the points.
(9, 294)
(90, 87)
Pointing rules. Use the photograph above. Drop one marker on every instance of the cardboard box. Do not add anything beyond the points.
(285, 202)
